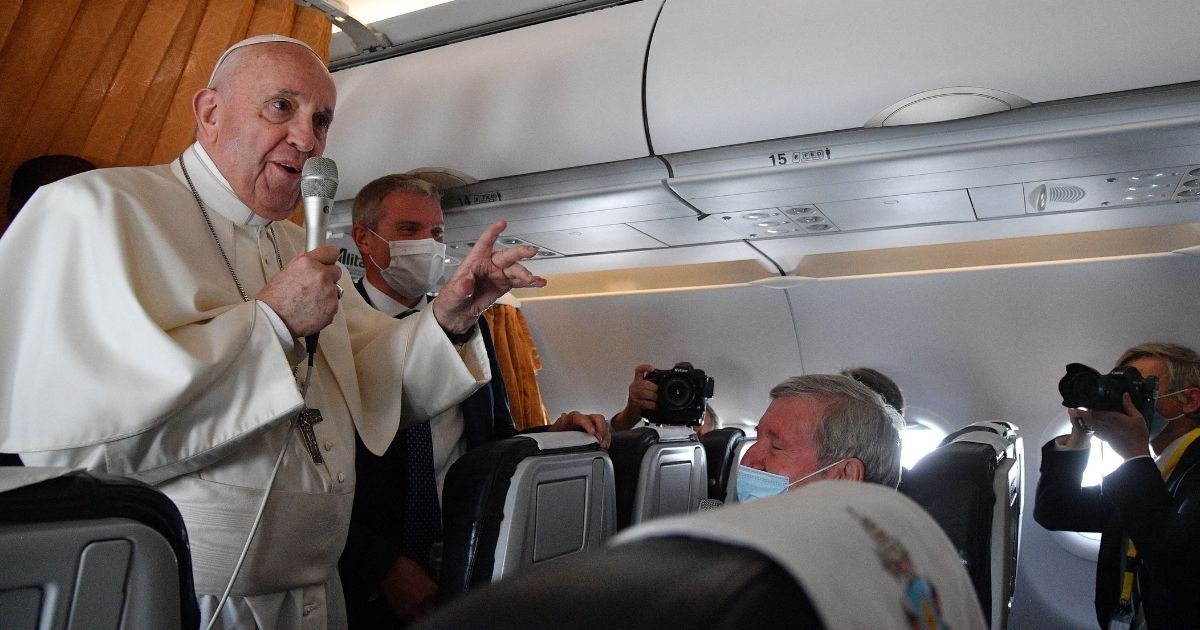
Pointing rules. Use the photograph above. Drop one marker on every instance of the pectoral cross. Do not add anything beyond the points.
(308, 417)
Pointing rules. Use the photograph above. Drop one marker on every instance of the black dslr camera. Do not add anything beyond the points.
(1087, 388)
(681, 394)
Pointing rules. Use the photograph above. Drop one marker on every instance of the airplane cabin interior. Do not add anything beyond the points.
(963, 196)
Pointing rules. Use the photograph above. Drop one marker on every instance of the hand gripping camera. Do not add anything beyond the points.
(682, 391)
(1087, 388)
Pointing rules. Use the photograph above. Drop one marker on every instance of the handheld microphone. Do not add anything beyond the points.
(709, 504)
(318, 185)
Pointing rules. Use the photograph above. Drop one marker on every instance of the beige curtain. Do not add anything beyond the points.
(520, 363)
(112, 80)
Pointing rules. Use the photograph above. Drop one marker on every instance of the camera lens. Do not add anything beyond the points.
(1078, 389)
(677, 392)
(1085, 387)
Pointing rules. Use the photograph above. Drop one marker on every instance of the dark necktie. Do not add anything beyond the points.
(422, 513)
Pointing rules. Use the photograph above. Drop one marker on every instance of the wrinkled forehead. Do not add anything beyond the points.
(794, 417)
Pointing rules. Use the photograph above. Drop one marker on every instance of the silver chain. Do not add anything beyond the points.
(213, 231)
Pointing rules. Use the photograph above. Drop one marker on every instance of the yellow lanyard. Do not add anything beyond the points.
(1128, 566)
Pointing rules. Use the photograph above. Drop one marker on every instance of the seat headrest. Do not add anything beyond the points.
(1005, 430)
(998, 443)
(671, 433)
(559, 440)
(999, 426)
(841, 540)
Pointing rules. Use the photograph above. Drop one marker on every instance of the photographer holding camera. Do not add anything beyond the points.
(687, 390)
(1148, 509)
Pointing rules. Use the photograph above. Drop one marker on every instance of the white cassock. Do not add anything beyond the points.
(128, 349)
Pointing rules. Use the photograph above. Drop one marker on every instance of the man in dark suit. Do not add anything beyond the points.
(387, 567)
(1152, 499)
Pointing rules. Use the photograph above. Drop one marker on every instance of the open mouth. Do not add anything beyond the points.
(294, 170)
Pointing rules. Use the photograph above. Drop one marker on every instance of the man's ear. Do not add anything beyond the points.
(851, 470)
(1192, 400)
(361, 238)
(204, 106)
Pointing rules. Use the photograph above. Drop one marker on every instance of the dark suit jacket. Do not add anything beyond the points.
(373, 544)
(1163, 519)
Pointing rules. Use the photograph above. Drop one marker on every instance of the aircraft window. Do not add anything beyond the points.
(1101, 461)
(920, 436)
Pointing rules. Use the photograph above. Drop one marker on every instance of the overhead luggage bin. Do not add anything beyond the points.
(722, 73)
(549, 96)
(853, 176)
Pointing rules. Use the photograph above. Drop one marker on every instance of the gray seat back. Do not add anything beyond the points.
(722, 452)
(659, 471)
(520, 502)
(973, 486)
(92, 551)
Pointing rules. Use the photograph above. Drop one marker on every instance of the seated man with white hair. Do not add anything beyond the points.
(821, 426)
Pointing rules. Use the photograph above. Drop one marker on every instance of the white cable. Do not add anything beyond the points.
(253, 528)
(262, 506)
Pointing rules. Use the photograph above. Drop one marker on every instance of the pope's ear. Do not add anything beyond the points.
(204, 106)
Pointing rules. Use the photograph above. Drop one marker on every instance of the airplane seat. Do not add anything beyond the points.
(731, 484)
(722, 452)
(972, 484)
(659, 470)
(84, 549)
(802, 560)
(522, 501)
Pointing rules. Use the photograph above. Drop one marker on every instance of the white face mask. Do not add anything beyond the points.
(415, 267)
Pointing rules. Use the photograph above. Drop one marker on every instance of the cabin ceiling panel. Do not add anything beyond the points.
(652, 200)
(459, 228)
(688, 230)
(933, 207)
(789, 252)
(590, 240)
(432, 21)
(549, 96)
(747, 72)
(649, 258)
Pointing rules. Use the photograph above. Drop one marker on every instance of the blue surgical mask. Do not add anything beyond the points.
(753, 483)
(1158, 422)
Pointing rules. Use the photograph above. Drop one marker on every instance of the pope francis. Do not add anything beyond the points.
(159, 336)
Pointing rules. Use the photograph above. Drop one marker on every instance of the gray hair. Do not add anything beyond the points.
(1183, 364)
(857, 423)
(370, 198)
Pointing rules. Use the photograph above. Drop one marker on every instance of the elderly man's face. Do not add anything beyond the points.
(786, 432)
(1168, 406)
(269, 112)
